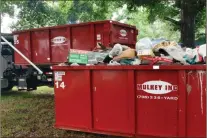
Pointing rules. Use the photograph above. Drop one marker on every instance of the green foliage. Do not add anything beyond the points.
(171, 11)
(83, 11)
(34, 14)
(201, 21)
(156, 29)
(153, 18)
(188, 17)
(7, 7)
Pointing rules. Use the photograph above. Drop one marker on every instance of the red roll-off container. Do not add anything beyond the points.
(164, 101)
(50, 45)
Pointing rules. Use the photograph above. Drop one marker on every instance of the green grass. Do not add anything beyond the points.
(31, 114)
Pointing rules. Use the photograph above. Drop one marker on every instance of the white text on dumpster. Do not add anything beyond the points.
(157, 90)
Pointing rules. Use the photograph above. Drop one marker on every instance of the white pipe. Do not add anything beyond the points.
(3, 43)
(22, 55)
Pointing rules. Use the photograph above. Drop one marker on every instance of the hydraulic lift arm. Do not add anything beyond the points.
(16, 50)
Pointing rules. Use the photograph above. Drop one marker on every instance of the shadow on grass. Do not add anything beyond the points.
(27, 94)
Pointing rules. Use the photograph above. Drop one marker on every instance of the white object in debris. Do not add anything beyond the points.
(190, 53)
(89, 64)
(202, 51)
(74, 64)
(92, 61)
(62, 64)
(144, 43)
(196, 52)
(124, 47)
(113, 63)
(136, 62)
(175, 52)
(117, 50)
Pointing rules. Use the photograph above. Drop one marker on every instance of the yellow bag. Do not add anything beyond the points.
(129, 53)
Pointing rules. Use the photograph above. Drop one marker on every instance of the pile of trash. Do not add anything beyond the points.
(146, 52)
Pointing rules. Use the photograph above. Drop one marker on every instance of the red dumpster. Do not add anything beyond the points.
(50, 45)
(166, 101)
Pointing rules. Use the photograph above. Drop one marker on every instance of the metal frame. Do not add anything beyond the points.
(15, 49)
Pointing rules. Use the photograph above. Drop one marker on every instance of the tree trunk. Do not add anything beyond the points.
(188, 23)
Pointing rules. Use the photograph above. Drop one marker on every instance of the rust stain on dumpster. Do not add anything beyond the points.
(189, 88)
(200, 74)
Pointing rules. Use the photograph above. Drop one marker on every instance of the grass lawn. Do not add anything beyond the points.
(31, 114)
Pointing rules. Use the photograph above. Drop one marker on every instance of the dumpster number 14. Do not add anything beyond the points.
(60, 85)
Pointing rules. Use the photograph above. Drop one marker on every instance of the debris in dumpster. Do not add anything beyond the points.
(136, 61)
(158, 60)
(128, 53)
(113, 63)
(126, 61)
(102, 46)
(89, 64)
(146, 52)
(107, 59)
(202, 51)
(85, 57)
(144, 43)
(172, 49)
(74, 64)
(191, 55)
(132, 61)
(117, 50)
(196, 55)
(62, 64)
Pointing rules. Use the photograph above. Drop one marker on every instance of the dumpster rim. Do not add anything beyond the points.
(131, 67)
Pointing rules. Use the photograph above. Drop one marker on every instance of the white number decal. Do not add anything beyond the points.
(16, 41)
(62, 85)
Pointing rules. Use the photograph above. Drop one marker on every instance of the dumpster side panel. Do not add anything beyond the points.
(99, 35)
(40, 47)
(22, 43)
(103, 34)
(81, 36)
(60, 44)
(113, 101)
(73, 99)
(196, 103)
(123, 35)
(157, 103)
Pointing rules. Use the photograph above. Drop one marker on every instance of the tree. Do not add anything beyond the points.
(38, 13)
(84, 11)
(186, 15)
(158, 15)
(155, 29)
(7, 7)
(35, 14)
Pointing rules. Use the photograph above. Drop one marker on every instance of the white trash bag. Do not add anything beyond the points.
(144, 43)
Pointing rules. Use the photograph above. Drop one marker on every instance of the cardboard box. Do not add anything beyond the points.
(85, 57)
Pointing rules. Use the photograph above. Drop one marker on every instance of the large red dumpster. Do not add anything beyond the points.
(166, 101)
(50, 45)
